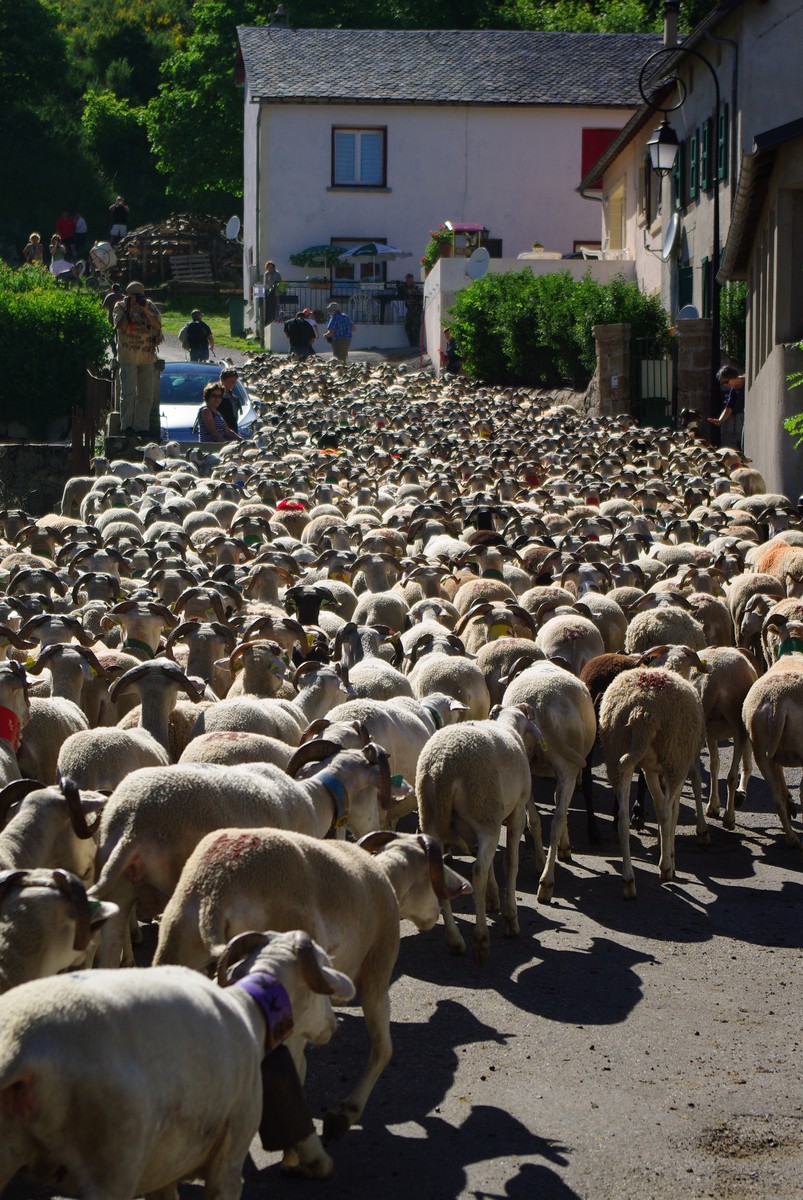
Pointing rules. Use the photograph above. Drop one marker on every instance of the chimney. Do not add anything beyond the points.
(671, 8)
(280, 18)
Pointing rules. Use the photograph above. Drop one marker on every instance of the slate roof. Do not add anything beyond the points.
(415, 66)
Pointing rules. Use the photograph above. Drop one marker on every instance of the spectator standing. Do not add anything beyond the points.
(272, 279)
(732, 415)
(300, 335)
(197, 338)
(34, 252)
(118, 214)
(79, 234)
(451, 357)
(56, 247)
(61, 267)
(313, 324)
(339, 331)
(110, 301)
(230, 404)
(65, 228)
(138, 327)
(410, 293)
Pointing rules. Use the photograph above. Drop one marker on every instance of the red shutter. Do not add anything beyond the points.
(595, 143)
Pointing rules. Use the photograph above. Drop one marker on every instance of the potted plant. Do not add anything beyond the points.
(538, 247)
(440, 245)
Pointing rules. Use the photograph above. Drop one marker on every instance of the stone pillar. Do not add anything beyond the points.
(695, 368)
(613, 368)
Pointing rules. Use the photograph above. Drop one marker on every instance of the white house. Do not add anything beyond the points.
(381, 135)
(751, 160)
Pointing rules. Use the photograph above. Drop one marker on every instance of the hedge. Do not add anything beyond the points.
(49, 334)
(525, 329)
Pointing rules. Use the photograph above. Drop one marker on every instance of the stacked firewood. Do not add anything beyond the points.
(145, 253)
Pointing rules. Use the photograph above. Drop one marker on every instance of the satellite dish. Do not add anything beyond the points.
(671, 237)
(232, 229)
(478, 263)
(688, 313)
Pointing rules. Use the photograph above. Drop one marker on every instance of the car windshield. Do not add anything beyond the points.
(187, 387)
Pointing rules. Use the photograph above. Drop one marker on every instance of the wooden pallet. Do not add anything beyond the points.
(192, 272)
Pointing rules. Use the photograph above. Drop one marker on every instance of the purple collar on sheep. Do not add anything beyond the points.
(274, 1004)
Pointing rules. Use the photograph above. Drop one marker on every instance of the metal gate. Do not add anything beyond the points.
(654, 387)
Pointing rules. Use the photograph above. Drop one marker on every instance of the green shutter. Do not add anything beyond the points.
(705, 156)
(694, 165)
(679, 177)
(722, 144)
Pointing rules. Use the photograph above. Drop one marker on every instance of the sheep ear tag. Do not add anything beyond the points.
(498, 631)
(29, 662)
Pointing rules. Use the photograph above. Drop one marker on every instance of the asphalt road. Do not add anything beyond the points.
(631, 1050)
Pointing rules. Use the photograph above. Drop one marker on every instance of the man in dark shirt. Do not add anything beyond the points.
(732, 415)
(300, 335)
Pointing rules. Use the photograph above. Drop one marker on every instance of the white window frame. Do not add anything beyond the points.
(358, 132)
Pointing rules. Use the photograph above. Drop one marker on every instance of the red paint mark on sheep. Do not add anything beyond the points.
(230, 846)
(655, 681)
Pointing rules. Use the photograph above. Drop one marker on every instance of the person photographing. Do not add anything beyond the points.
(138, 327)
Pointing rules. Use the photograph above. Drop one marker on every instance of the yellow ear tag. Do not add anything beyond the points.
(498, 631)
(29, 661)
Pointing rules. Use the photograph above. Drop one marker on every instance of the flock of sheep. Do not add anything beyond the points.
(257, 695)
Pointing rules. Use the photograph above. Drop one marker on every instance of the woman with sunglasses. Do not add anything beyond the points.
(209, 424)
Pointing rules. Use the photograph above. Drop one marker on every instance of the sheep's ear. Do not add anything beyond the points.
(456, 884)
(18, 1100)
(100, 911)
(343, 989)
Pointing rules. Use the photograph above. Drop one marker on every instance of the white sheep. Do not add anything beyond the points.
(772, 716)
(653, 720)
(351, 900)
(99, 759)
(174, 1092)
(471, 780)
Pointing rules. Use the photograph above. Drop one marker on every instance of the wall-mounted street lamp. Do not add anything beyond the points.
(663, 149)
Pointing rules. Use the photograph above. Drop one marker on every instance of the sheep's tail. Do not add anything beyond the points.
(576, 759)
(212, 924)
(640, 728)
(774, 723)
(434, 808)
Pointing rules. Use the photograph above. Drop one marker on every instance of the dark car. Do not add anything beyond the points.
(181, 395)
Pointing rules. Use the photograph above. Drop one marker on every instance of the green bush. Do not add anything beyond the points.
(520, 328)
(49, 334)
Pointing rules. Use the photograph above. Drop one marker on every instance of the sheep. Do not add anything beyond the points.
(50, 828)
(665, 625)
(496, 658)
(101, 758)
(51, 722)
(564, 712)
(251, 715)
(349, 899)
(229, 748)
(570, 640)
(460, 678)
(771, 715)
(15, 710)
(156, 817)
(153, 1110)
(47, 925)
(471, 780)
(722, 689)
(651, 719)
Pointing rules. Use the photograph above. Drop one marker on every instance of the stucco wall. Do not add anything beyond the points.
(513, 169)
(769, 401)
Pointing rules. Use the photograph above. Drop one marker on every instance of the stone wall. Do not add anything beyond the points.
(33, 476)
(613, 369)
(695, 369)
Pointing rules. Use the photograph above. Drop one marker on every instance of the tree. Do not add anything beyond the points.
(28, 40)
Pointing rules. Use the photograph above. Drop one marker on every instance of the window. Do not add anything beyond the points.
(706, 174)
(679, 176)
(722, 144)
(616, 217)
(358, 157)
(694, 166)
(595, 143)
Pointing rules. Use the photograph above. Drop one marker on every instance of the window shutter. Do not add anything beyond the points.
(345, 157)
(722, 144)
(679, 176)
(371, 158)
(705, 156)
(694, 165)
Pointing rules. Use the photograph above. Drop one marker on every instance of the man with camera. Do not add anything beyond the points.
(139, 330)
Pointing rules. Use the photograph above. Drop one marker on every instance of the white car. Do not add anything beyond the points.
(181, 395)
